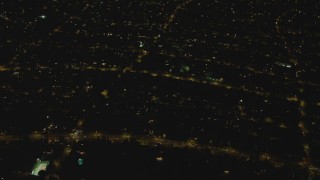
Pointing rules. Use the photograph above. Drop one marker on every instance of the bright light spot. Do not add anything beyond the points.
(159, 158)
(39, 166)
(105, 93)
(43, 16)
(80, 161)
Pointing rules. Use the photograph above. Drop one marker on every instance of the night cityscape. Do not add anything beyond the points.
(159, 89)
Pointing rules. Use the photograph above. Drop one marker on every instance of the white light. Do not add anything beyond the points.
(42, 16)
(159, 158)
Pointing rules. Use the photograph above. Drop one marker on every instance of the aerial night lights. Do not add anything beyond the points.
(159, 89)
